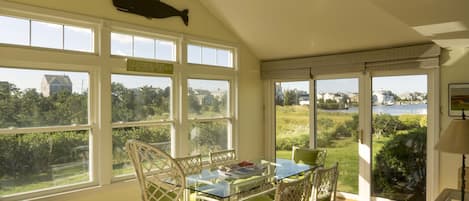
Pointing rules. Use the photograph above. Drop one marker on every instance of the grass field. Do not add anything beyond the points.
(294, 121)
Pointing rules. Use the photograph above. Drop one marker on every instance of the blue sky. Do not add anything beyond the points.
(25, 32)
(27, 79)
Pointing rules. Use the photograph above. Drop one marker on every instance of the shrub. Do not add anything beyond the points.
(286, 142)
(386, 125)
(400, 166)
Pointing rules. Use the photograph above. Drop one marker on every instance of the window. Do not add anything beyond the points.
(55, 124)
(141, 109)
(29, 32)
(14, 31)
(291, 117)
(142, 47)
(208, 103)
(44, 129)
(198, 54)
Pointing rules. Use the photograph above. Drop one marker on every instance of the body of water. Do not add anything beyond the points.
(392, 110)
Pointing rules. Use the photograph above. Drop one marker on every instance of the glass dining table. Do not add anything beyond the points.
(234, 182)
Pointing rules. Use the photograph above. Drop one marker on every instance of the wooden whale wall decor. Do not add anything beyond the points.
(151, 9)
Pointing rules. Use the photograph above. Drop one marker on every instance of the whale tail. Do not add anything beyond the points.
(185, 16)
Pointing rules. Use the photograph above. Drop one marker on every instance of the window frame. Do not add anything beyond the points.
(232, 135)
(73, 20)
(90, 127)
(155, 123)
(150, 35)
(365, 113)
(100, 65)
(233, 49)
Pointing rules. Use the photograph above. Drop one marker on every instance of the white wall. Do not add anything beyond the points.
(454, 69)
(202, 25)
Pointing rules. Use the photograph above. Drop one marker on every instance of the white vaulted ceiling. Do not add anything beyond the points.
(276, 29)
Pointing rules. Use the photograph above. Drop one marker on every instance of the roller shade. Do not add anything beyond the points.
(428, 63)
(302, 73)
(334, 69)
(408, 57)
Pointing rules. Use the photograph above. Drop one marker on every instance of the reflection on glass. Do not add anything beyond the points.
(36, 98)
(144, 47)
(194, 54)
(208, 98)
(209, 136)
(121, 44)
(140, 98)
(158, 136)
(209, 56)
(166, 50)
(36, 161)
(14, 31)
(337, 128)
(399, 137)
(45, 34)
(78, 39)
(291, 117)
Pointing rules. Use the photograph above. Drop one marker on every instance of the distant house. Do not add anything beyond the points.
(52, 84)
(304, 99)
(383, 97)
(204, 97)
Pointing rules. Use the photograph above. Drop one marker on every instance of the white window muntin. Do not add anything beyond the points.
(148, 123)
(204, 47)
(231, 102)
(92, 168)
(45, 20)
(157, 39)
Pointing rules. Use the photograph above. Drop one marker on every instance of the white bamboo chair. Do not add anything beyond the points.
(289, 190)
(309, 156)
(222, 157)
(190, 164)
(324, 184)
(160, 177)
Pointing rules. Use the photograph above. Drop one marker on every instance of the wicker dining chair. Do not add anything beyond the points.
(309, 156)
(324, 184)
(290, 190)
(222, 157)
(160, 177)
(190, 164)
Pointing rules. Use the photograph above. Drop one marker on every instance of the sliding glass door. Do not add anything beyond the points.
(399, 137)
(337, 116)
(374, 125)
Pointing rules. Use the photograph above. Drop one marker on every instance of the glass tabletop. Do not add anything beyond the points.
(234, 180)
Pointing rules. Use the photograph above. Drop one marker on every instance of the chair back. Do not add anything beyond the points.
(222, 157)
(324, 184)
(309, 156)
(160, 177)
(297, 190)
(190, 164)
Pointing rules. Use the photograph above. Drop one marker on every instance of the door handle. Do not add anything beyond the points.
(360, 138)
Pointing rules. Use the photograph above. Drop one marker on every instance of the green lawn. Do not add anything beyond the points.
(345, 152)
(61, 177)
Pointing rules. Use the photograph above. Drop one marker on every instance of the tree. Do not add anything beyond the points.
(290, 97)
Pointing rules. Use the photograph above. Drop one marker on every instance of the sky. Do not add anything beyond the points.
(29, 32)
(27, 79)
(397, 84)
